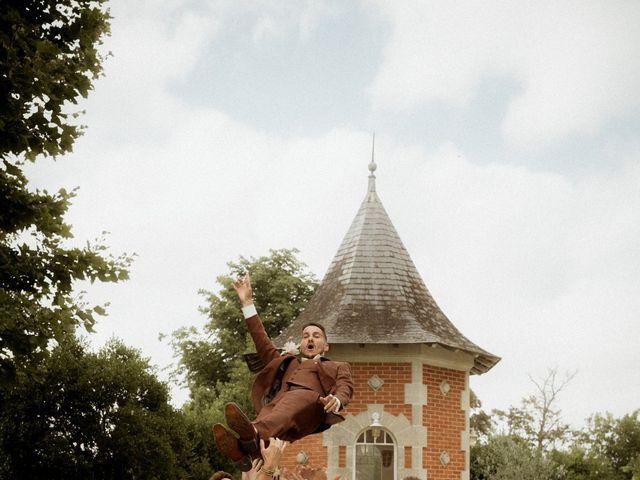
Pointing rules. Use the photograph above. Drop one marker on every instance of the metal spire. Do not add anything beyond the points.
(372, 166)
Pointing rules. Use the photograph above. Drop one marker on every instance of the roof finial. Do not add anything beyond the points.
(372, 166)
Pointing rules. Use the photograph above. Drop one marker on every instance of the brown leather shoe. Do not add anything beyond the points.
(240, 423)
(228, 446)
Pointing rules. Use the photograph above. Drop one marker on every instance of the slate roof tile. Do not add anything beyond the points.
(373, 293)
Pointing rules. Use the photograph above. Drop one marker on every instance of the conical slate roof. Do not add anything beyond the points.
(373, 293)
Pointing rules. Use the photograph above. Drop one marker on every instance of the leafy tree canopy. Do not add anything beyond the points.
(281, 288)
(533, 441)
(48, 60)
(616, 439)
(91, 415)
(508, 457)
(578, 463)
(480, 422)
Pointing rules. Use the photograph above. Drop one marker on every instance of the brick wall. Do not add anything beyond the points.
(442, 416)
(312, 446)
(444, 420)
(391, 394)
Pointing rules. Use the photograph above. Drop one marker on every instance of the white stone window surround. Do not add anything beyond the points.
(399, 427)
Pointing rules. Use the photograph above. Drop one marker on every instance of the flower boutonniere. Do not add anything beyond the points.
(292, 348)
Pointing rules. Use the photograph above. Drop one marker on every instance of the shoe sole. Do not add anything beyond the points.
(239, 422)
(228, 446)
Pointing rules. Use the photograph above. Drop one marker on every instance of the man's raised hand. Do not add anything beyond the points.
(242, 287)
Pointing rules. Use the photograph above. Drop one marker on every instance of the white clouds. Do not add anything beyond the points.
(266, 28)
(589, 73)
(279, 20)
(151, 47)
(311, 15)
(578, 63)
(536, 267)
(533, 267)
(435, 52)
(268, 21)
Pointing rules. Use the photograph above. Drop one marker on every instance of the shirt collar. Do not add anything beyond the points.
(317, 357)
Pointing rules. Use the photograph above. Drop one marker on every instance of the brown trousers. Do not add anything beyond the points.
(291, 415)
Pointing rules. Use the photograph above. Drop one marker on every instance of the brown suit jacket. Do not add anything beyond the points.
(334, 377)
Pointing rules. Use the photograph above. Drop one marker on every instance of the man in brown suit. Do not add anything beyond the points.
(293, 397)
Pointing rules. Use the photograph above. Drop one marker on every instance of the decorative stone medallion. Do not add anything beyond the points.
(375, 382)
(444, 387)
(444, 458)
(302, 458)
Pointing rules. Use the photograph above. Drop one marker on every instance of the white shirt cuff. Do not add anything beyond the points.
(249, 311)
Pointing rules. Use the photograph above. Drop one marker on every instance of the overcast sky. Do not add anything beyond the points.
(508, 152)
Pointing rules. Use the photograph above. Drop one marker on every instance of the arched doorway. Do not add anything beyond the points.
(375, 455)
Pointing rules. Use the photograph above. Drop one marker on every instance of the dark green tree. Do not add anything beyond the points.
(535, 443)
(87, 415)
(48, 60)
(281, 288)
(579, 463)
(617, 440)
(211, 361)
(480, 421)
(511, 454)
(508, 457)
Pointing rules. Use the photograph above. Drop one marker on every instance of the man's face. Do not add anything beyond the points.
(313, 342)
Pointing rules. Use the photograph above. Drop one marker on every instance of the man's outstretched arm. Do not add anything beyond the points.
(266, 350)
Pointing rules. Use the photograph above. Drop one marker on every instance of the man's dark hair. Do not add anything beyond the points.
(313, 324)
(219, 475)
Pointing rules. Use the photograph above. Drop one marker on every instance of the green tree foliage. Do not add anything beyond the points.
(534, 442)
(607, 449)
(281, 288)
(92, 415)
(578, 463)
(205, 408)
(617, 440)
(508, 457)
(211, 361)
(48, 59)
(480, 422)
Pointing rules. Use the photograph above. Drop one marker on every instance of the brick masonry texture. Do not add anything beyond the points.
(312, 446)
(442, 416)
(391, 394)
(407, 457)
(444, 420)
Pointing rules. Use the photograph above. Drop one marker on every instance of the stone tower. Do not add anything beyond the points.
(410, 413)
